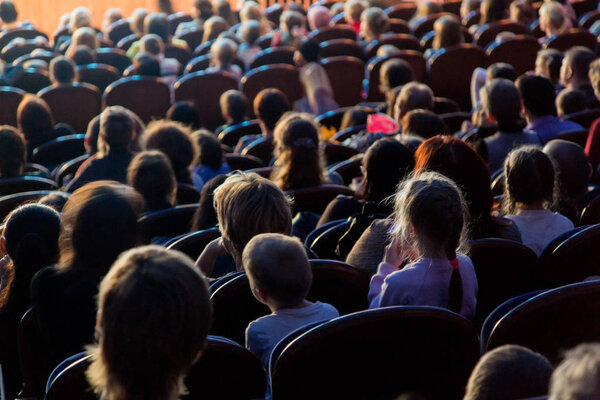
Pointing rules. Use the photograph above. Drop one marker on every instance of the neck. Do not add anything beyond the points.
(538, 205)
(276, 307)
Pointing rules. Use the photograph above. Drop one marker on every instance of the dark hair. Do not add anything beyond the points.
(528, 178)
(91, 135)
(234, 104)
(165, 6)
(423, 123)
(210, 152)
(185, 112)
(492, 10)
(204, 7)
(309, 49)
(8, 11)
(145, 64)
(158, 24)
(62, 70)
(537, 93)
(13, 152)
(151, 174)
(393, 73)
(387, 162)
(501, 70)
(501, 99)
(116, 128)
(205, 216)
(82, 55)
(551, 61)
(270, 105)
(579, 58)
(353, 117)
(34, 119)
(54, 200)
(571, 100)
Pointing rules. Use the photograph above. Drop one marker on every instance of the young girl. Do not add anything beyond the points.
(428, 229)
(529, 188)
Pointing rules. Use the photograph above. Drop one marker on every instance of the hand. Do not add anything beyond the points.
(395, 253)
(207, 259)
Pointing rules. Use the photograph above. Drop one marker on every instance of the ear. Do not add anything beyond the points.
(262, 296)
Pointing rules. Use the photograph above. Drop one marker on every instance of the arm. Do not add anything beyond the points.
(394, 256)
(206, 261)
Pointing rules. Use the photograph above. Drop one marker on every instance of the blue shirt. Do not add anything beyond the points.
(203, 174)
(549, 127)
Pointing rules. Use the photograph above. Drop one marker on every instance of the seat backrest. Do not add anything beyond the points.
(504, 269)
(148, 97)
(348, 169)
(231, 135)
(553, 321)
(59, 150)
(444, 105)
(26, 33)
(520, 52)
(25, 184)
(346, 76)
(450, 72)
(74, 104)
(192, 37)
(333, 118)
(404, 11)
(193, 244)
(176, 19)
(583, 6)
(243, 162)
(316, 199)
(398, 25)
(341, 47)
(187, 194)
(181, 54)
(118, 30)
(487, 33)
(336, 152)
(333, 32)
(454, 120)
(279, 76)
(343, 357)
(197, 64)
(591, 213)
(99, 75)
(578, 136)
(273, 55)
(203, 49)
(401, 41)
(10, 202)
(584, 118)
(571, 38)
(13, 51)
(414, 58)
(205, 89)
(587, 20)
(34, 366)
(115, 57)
(127, 41)
(324, 245)
(10, 98)
(261, 148)
(166, 223)
(426, 24)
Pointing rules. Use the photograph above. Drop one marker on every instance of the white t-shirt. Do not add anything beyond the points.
(539, 227)
(264, 333)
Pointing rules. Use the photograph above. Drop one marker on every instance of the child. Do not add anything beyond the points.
(151, 175)
(529, 188)
(428, 230)
(234, 107)
(280, 277)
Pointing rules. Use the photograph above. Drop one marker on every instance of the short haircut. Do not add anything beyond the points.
(537, 93)
(570, 101)
(85, 36)
(146, 64)
(549, 62)
(500, 99)
(248, 204)
(395, 72)
(34, 119)
(234, 104)
(423, 123)
(149, 289)
(210, 152)
(13, 152)
(8, 11)
(116, 127)
(270, 105)
(414, 95)
(185, 112)
(152, 43)
(249, 31)
(577, 377)
(62, 70)
(513, 371)
(354, 8)
(158, 24)
(137, 20)
(579, 58)
(81, 55)
(309, 49)
(224, 51)
(386, 162)
(501, 70)
(278, 266)
(213, 27)
(151, 174)
(594, 75)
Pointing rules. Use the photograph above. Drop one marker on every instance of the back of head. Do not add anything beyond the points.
(318, 17)
(537, 93)
(353, 9)
(395, 72)
(577, 377)
(248, 204)
(234, 104)
(34, 119)
(116, 128)
(573, 170)
(594, 75)
(501, 70)
(290, 20)
(501, 100)
(553, 19)
(152, 43)
(447, 33)
(353, 117)
(100, 221)
(8, 12)
(423, 123)
(81, 55)
(185, 112)
(210, 152)
(203, 8)
(174, 140)
(375, 21)
(513, 371)
(570, 101)
(149, 289)
(86, 36)
(223, 51)
(548, 63)
(521, 11)
(528, 178)
(151, 175)
(249, 32)
(158, 24)
(309, 49)
(277, 265)
(80, 17)
(492, 10)
(146, 64)
(137, 21)
(412, 96)
(13, 152)
(386, 162)
(578, 60)
(62, 70)
(269, 106)
(213, 27)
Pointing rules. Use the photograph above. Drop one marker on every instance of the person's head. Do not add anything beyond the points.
(205, 216)
(8, 12)
(513, 371)
(149, 290)
(386, 163)
(158, 24)
(13, 152)
(492, 10)
(91, 135)
(318, 17)
(234, 106)
(307, 52)
(299, 160)
(393, 73)
(174, 140)
(80, 17)
(100, 222)
(185, 112)
(223, 52)
(570, 101)
(548, 63)
(111, 15)
(34, 119)
(247, 205)
(291, 20)
(85, 36)
(249, 32)
(594, 76)
(213, 27)
(501, 70)
(269, 106)
(373, 23)
(528, 179)
(116, 128)
(537, 94)
(353, 10)
(210, 152)
(501, 102)
(54, 200)
(553, 19)
(447, 33)
(577, 377)
(152, 43)
(353, 117)
(430, 217)
(575, 66)
(251, 10)
(151, 175)
(62, 70)
(146, 64)
(202, 9)
(81, 55)
(223, 10)
(278, 270)
(413, 95)
(423, 123)
(136, 23)
(521, 11)
(466, 6)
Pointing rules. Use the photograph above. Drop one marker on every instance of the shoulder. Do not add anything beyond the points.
(563, 221)
(327, 310)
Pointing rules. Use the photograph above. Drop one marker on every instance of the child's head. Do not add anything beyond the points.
(13, 152)
(210, 152)
(34, 119)
(146, 64)
(81, 55)
(185, 112)
(501, 70)
(548, 63)
(85, 37)
(151, 174)
(501, 102)
(353, 10)
(136, 22)
(153, 318)
(423, 123)
(278, 270)
(213, 27)
(318, 17)
(62, 70)
(116, 128)
(570, 101)
(249, 32)
(577, 377)
(152, 43)
(413, 95)
(373, 23)
(447, 33)
(269, 106)
(308, 52)
(514, 371)
(234, 106)
(528, 179)
(223, 52)
(393, 73)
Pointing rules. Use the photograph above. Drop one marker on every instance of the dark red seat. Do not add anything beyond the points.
(273, 55)
(197, 64)
(333, 118)
(452, 7)
(10, 98)
(176, 19)
(348, 169)
(33, 80)
(327, 239)
(273, 13)
(115, 57)
(426, 24)
(341, 47)
(187, 194)
(316, 198)
(148, 97)
(454, 120)
(193, 244)
(43, 55)
(450, 72)
(264, 42)
(232, 135)
(67, 170)
(444, 105)
(279, 76)
(205, 89)
(520, 52)
(59, 150)
(26, 33)
(591, 213)
(261, 148)
(487, 33)
(578, 136)
(203, 49)
(398, 25)
(414, 58)
(118, 30)
(404, 11)
(584, 118)
(99, 75)
(74, 104)
(336, 152)
(166, 223)
(181, 54)
(583, 6)
(346, 76)
(587, 20)
(10, 202)
(15, 50)
(125, 43)
(192, 37)
(243, 162)
(571, 38)
(333, 32)
(25, 184)
(401, 41)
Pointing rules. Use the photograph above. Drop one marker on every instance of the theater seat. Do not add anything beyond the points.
(315, 199)
(488, 32)
(148, 97)
(193, 244)
(166, 223)
(571, 38)
(273, 55)
(413, 58)
(10, 98)
(75, 104)
(520, 52)
(279, 76)
(25, 184)
(12, 201)
(99, 75)
(341, 47)
(345, 76)
(333, 32)
(59, 150)
(232, 134)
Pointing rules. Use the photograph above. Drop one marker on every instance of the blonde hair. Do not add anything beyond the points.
(85, 36)
(577, 377)
(80, 17)
(447, 33)
(223, 52)
(354, 8)
(553, 18)
(374, 22)
(153, 319)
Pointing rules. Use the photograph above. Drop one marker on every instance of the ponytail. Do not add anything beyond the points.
(455, 294)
